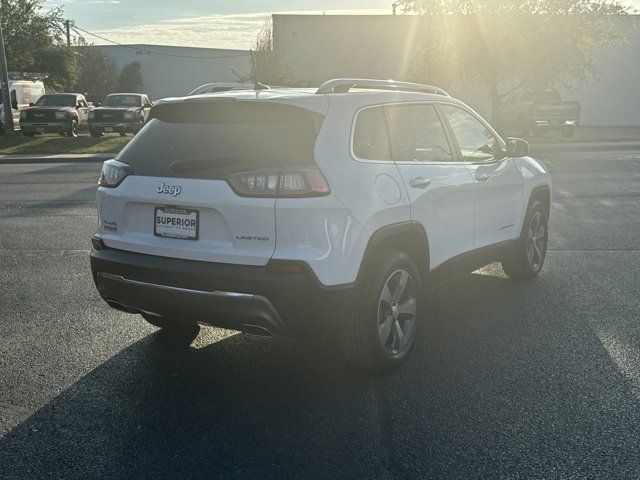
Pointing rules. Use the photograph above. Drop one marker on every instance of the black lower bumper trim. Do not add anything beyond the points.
(228, 296)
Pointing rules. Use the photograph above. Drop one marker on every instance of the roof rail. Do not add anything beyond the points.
(343, 85)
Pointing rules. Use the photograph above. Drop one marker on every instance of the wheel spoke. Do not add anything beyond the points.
(386, 296)
(538, 255)
(530, 252)
(534, 225)
(542, 245)
(408, 307)
(402, 285)
(407, 328)
(384, 329)
(398, 336)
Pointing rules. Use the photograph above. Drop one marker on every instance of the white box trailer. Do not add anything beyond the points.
(23, 93)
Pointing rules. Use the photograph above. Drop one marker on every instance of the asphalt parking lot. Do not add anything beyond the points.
(508, 380)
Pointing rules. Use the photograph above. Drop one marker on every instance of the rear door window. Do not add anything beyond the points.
(216, 138)
(370, 136)
(419, 134)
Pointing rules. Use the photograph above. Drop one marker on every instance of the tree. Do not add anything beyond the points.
(35, 42)
(266, 67)
(505, 45)
(95, 72)
(130, 78)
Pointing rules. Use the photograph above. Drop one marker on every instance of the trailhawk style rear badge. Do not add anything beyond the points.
(165, 189)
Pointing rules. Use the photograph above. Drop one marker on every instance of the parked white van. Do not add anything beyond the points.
(23, 93)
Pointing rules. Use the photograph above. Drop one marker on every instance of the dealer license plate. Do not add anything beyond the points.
(174, 222)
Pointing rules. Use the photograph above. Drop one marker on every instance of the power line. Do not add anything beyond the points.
(162, 54)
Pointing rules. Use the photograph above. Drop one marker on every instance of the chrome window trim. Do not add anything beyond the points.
(435, 103)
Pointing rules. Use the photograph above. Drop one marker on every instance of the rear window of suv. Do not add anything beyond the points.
(214, 139)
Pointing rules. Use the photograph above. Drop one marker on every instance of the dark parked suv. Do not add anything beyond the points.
(63, 113)
(120, 113)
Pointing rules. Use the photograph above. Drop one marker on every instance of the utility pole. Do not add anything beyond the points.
(6, 94)
(67, 28)
(394, 6)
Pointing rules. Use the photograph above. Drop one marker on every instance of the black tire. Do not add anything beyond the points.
(28, 134)
(362, 339)
(123, 134)
(181, 332)
(525, 263)
(96, 133)
(72, 131)
(568, 131)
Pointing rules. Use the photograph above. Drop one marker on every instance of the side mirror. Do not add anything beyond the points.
(14, 105)
(31, 104)
(517, 147)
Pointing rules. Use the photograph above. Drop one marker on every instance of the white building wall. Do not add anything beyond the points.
(319, 47)
(168, 72)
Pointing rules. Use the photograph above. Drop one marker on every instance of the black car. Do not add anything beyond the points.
(119, 113)
(63, 113)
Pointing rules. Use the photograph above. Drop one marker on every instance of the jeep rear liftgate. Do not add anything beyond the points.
(202, 181)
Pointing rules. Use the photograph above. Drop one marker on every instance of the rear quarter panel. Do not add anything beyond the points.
(365, 196)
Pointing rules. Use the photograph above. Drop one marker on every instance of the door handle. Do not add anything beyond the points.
(419, 182)
(482, 177)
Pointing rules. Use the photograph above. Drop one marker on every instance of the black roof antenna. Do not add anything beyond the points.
(258, 86)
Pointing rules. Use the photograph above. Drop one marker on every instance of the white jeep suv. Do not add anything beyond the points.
(306, 213)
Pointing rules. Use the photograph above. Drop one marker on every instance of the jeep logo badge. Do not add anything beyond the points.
(165, 189)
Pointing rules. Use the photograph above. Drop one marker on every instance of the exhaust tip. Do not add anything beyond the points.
(120, 307)
(256, 331)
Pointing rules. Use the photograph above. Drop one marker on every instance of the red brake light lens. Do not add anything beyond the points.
(303, 182)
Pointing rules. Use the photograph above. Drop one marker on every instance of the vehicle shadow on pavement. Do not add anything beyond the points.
(496, 388)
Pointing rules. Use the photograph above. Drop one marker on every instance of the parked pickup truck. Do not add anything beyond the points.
(63, 113)
(120, 113)
(536, 112)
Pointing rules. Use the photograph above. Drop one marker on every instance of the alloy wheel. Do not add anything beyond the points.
(536, 241)
(397, 309)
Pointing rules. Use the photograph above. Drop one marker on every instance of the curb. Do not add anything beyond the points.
(583, 147)
(56, 158)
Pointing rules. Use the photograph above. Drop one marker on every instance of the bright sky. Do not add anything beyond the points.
(199, 23)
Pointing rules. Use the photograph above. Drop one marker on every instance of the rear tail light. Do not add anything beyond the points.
(97, 243)
(303, 182)
(113, 173)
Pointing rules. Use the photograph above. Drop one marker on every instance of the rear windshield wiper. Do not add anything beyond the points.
(204, 163)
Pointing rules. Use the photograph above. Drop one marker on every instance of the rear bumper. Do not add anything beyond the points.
(230, 296)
